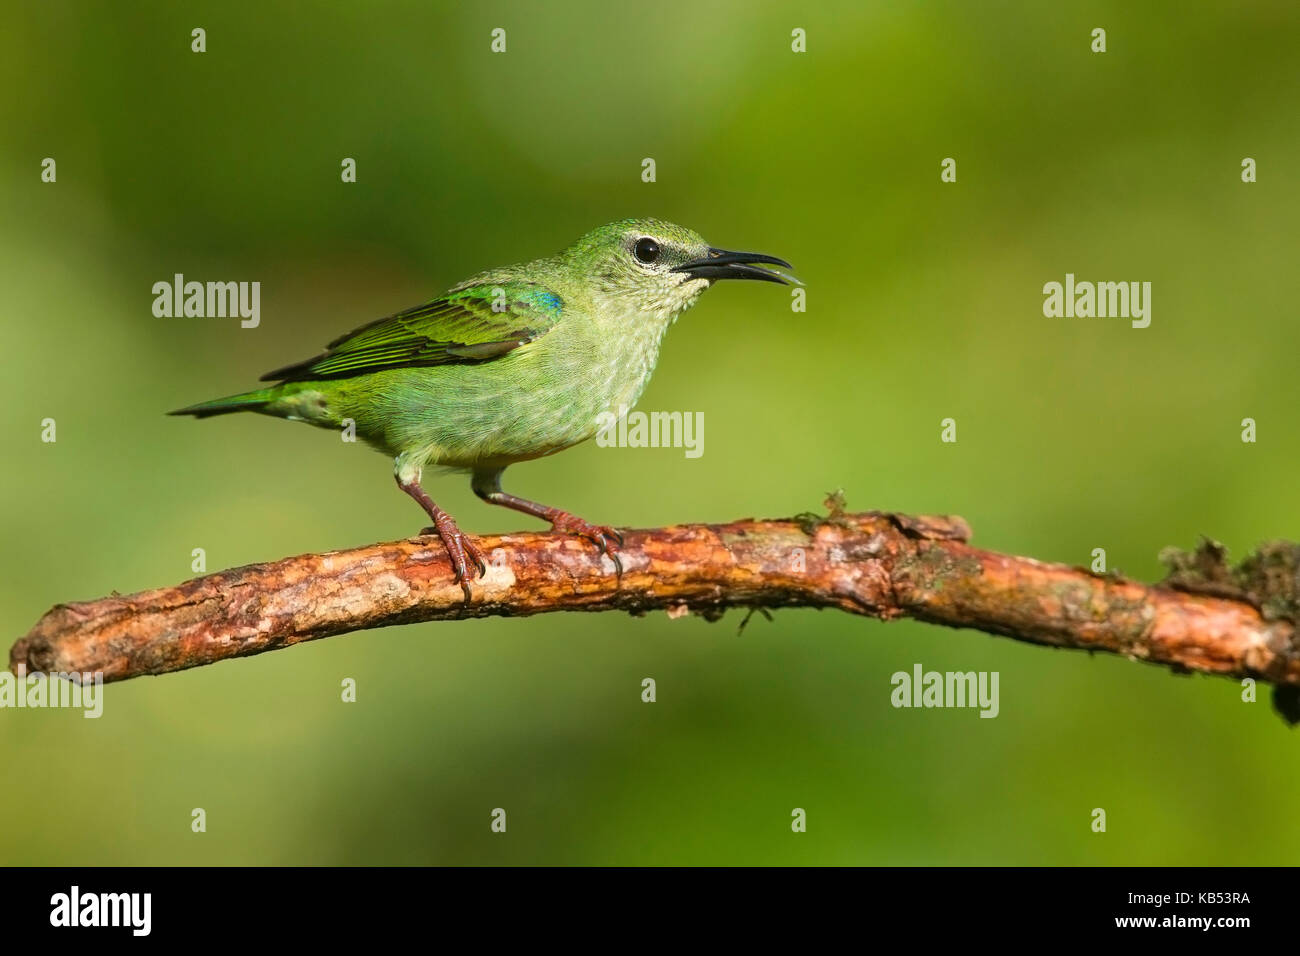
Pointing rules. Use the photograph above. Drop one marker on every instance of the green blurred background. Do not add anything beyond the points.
(924, 302)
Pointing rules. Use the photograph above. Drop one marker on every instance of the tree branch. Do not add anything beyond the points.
(884, 566)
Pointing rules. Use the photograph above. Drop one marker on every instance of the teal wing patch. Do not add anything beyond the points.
(471, 325)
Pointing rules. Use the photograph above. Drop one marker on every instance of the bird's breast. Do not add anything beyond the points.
(543, 397)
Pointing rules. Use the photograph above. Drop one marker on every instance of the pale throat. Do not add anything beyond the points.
(634, 332)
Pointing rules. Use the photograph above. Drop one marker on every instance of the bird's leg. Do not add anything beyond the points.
(458, 544)
(487, 485)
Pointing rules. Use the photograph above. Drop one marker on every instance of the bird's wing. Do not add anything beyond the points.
(477, 323)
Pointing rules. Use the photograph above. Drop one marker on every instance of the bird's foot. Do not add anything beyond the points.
(459, 546)
(603, 536)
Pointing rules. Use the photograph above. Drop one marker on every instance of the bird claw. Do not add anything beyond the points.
(459, 545)
(604, 537)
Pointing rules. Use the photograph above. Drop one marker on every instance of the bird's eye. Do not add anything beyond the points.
(646, 250)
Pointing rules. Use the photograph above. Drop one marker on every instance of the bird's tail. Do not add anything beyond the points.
(247, 402)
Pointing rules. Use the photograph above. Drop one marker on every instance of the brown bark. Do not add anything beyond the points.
(884, 566)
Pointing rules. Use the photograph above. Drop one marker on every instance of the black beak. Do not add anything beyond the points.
(721, 264)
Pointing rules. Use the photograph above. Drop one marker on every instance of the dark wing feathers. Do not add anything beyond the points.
(475, 324)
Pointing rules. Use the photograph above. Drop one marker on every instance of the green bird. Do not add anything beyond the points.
(511, 364)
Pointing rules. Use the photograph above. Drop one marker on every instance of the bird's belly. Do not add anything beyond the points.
(468, 416)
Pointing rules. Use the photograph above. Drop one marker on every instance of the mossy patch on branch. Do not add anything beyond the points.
(810, 521)
(1268, 578)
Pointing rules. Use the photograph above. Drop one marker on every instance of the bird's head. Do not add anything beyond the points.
(658, 267)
